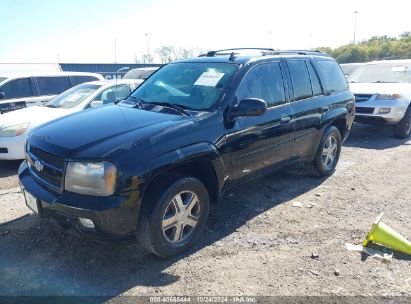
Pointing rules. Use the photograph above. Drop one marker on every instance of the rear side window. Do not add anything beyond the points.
(53, 85)
(314, 81)
(300, 79)
(333, 76)
(265, 82)
(75, 80)
(18, 88)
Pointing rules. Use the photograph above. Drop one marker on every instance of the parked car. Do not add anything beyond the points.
(349, 68)
(140, 73)
(383, 94)
(21, 90)
(150, 165)
(15, 126)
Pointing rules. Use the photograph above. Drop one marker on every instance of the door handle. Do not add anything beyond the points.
(285, 120)
(324, 109)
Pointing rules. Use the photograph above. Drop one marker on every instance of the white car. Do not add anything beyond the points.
(140, 73)
(21, 90)
(382, 92)
(15, 126)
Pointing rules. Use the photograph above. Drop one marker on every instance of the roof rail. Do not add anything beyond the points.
(231, 51)
(297, 52)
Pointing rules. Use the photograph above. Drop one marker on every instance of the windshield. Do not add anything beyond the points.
(139, 74)
(195, 86)
(2, 79)
(384, 72)
(72, 97)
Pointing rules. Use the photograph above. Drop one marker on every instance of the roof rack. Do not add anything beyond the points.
(232, 52)
(297, 52)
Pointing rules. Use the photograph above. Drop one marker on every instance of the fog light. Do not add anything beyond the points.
(385, 110)
(87, 223)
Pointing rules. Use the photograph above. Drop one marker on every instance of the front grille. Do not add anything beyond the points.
(49, 169)
(362, 97)
(4, 150)
(363, 110)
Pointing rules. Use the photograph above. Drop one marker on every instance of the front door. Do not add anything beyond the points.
(257, 144)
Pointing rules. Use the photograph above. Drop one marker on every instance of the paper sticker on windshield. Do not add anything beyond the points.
(73, 98)
(209, 79)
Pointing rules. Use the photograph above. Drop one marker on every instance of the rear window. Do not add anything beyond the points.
(75, 80)
(53, 85)
(333, 76)
(18, 88)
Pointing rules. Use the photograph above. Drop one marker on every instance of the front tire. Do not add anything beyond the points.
(403, 128)
(174, 216)
(328, 154)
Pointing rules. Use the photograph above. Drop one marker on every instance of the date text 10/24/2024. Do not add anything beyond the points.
(202, 299)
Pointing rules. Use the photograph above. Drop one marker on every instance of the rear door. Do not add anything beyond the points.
(50, 86)
(307, 105)
(257, 144)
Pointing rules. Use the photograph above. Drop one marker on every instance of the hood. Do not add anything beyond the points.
(33, 115)
(101, 127)
(381, 88)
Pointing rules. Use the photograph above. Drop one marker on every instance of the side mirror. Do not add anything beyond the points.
(96, 104)
(2, 95)
(248, 107)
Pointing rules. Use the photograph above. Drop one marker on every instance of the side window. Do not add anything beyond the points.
(334, 79)
(263, 81)
(314, 81)
(114, 93)
(300, 79)
(75, 80)
(18, 88)
(53, 85)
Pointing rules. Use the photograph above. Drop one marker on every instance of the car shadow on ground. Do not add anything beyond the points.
(37, 258)
(9, 167)
(374, 137)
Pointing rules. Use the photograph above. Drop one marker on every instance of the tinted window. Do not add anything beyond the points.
(300, 79)
(53, 85)
(265, 82)
(81, 79)
(17, 88)
(114, 93)
(331, 73)
(314, 81)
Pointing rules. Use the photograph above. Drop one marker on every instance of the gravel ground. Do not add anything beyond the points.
(256, 243)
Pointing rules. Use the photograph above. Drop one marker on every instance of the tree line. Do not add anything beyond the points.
(375, 48)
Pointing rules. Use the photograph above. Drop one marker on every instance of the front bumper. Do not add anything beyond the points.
(113, 217)
(370, 111)
(12, 148)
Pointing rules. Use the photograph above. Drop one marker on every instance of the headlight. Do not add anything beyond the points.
(14, 130)
(388, 97)
(97, 179)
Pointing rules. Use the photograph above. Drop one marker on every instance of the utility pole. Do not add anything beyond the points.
(355, 25)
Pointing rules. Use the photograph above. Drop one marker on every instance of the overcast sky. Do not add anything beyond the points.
(85, 30)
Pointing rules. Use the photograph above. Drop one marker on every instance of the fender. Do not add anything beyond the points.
(203, 150)
(334, 114)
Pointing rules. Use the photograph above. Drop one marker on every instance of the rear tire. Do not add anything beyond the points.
(174, 216)
(403, 128)
(328, 154)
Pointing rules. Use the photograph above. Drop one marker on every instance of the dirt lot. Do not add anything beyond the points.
(256, 242)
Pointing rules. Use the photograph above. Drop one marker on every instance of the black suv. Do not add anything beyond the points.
(151, 164)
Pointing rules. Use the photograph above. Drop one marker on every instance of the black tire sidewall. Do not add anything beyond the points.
(400, 129)
(323, 170)
(160, 244)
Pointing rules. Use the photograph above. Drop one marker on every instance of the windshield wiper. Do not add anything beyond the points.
(135, 99)
(178, 108)
(381, 81)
